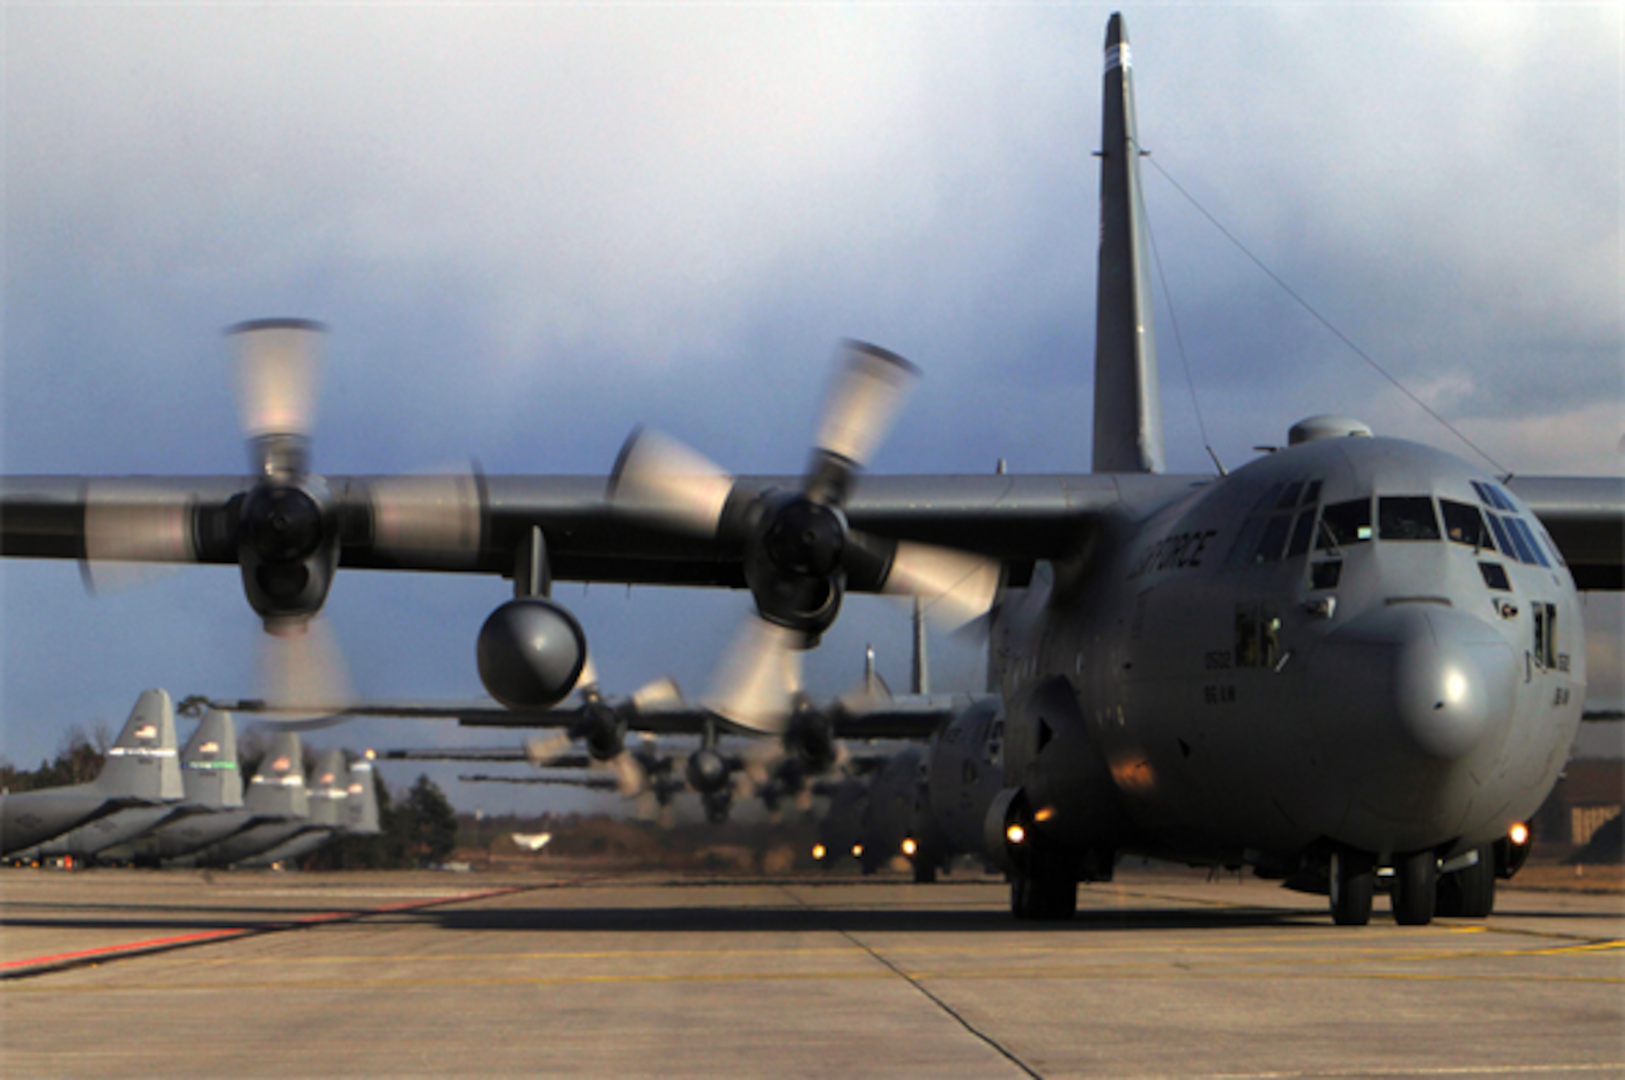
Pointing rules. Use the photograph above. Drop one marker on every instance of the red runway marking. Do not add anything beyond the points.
(39, 965)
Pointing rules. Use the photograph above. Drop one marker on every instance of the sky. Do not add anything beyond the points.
(531, 227)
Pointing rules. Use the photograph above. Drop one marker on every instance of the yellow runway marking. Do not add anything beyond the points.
(1082, 975)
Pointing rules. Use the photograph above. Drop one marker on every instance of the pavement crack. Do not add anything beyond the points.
(925, 991)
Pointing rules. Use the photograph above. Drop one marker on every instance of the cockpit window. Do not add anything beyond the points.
(1493, 496)
(1344, 523)
(1464, 524)
(1300, 532)
(1407, 517)
(1502, 540)
(1274, 531)
(1522, 532)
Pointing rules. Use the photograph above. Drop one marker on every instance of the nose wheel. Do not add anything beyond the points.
(1416, 888)
(1352, 883)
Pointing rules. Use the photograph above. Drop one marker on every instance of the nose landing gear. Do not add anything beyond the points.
(1415, 888)
(1352, 882)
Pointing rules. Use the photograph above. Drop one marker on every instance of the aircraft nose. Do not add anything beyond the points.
(1435, 678)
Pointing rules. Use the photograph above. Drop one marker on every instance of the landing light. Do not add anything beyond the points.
(1519, 834)
(1015, 834)
(1045, 814)
(857, 851)
(819, 851)
(909, 846)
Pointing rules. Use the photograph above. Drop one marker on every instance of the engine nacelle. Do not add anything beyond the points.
(707, 771)
(530, 653)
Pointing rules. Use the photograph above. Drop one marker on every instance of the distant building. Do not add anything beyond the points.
(1590, 792)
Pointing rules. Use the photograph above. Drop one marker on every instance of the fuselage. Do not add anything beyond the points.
(1357, 641)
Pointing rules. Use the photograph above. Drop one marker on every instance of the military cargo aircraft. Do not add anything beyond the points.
(343, 801)
(213, 784)
(275, 809)
(1354, 656)
(139, 784)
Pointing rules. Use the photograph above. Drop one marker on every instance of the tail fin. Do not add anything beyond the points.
(142, 763)
(209, 764)
(279, 786)
(919, 681)
(329, 789)
(1128, 410)
(361, 809)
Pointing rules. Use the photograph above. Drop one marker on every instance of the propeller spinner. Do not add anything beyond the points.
(798, 551)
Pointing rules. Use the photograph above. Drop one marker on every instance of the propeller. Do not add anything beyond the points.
(283, 524)
(603, 727)
(798, 552)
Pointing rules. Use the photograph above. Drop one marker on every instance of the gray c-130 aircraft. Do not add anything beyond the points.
(1357, 654)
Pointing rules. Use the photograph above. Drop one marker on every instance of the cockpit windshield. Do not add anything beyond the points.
(1344, 523)
(1406, 517)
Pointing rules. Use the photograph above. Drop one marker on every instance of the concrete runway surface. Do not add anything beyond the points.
(137, 973)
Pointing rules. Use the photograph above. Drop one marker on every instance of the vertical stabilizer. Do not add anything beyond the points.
(1128, 412)
(919, 681)
(361, 809)
(329, 789)
(209, 764)
(278, 787)
(142, 763)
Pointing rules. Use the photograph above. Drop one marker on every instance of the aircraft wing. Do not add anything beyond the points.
(1585, 516)
(904, 716)
(504, 753)
(480, 524)
(591, 783)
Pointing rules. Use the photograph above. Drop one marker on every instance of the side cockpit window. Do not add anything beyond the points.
(1464, 524)
(1514, 535)
(1279, 526)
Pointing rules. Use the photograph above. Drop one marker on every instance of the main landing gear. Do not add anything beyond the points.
(1418, 891)
(1469, 893)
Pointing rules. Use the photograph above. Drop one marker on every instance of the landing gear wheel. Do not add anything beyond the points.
(925, 869)
(1048, 897)
(1351, 882)
(1469, 893)
(1416, 888)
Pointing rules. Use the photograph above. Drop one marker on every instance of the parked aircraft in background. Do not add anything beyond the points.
(275, 808)
(339, 805)
(1354, 656)
(213, 783)
(139, 785)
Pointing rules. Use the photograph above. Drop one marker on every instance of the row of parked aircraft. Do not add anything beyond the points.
(157, 804)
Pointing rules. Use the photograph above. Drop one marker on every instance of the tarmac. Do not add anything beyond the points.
(112, 973)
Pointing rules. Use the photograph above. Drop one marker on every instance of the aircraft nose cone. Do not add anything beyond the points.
(1446, 691)
(1437, 679)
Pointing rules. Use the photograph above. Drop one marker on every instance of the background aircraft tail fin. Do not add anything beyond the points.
(278, 786)
(329, 789)
(1128, 409)
(142, 763)
(361, 809)
(209, 763)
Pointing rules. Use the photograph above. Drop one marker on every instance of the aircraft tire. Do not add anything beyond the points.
(1469, 893)
(1416, 888)
(1043, 897)
(1352, 883)
(925, 870)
